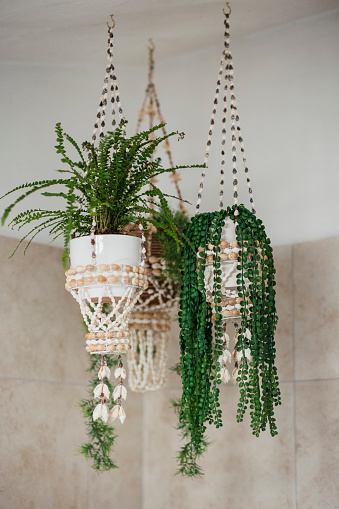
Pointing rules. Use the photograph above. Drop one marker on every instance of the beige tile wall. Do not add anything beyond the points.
(42, 376)
(298, 469)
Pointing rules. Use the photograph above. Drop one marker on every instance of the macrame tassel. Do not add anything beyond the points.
(102, 393)
(119, 393)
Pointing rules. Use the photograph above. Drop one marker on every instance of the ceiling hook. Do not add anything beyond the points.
(112, 18)
(229, 9)
(151, 44)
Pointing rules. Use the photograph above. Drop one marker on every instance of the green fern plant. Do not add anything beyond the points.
(171, 254)
(110, 182)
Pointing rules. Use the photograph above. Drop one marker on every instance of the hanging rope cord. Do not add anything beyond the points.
(225, 79)
(153, 109)
(110, 87)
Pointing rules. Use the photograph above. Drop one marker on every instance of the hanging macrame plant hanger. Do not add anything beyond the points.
(107, 274)
(228, 278)
(151, 317)
(228, 249)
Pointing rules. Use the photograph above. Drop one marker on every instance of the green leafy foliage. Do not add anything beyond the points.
(200, 348)
(171, 254)
(112, 183)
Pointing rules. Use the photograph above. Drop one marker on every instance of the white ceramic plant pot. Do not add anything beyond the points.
(229, 252)
(120, 250)
(228, 234)
(229, 272)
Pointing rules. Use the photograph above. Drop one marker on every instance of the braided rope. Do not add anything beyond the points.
(226, 64)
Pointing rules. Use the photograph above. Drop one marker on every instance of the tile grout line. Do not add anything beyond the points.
(143, 434)
(172, 388)
(306, 380)
(163, 389)
(42, 380)
(294, 383)
(88, 487)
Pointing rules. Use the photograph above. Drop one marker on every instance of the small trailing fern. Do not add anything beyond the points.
(171, 254)
(110, 182)
(101, 436)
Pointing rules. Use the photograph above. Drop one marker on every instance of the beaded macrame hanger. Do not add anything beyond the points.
(225, 79)
(151, 107)
(151, 317)
(116, 316)
(110, 87)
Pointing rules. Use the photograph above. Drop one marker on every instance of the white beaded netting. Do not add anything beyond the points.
(229, 249)
(151, 317)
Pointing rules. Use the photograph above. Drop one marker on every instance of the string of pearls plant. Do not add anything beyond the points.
(228, 278)
(204, 357)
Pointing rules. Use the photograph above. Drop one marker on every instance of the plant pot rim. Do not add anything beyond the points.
(122, 234)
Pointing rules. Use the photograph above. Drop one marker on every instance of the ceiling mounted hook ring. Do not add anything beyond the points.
(229, 9)
(151, 44)
(112, 18)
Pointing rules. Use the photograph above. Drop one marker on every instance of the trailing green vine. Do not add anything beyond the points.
(200, 348)
(101, 436)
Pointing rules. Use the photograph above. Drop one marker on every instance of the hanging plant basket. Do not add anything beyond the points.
(104, 189)
(118, 258)
(150, 324)
(152, 315)
(228, 287)
(115, 278)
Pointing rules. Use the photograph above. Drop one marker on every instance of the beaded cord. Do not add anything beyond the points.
(149, 327)
(110, 85)
(143, 245)
(92, 236)
(151, 319)
(147, 359)
(226, 65)
(151, 107)
(210, 132)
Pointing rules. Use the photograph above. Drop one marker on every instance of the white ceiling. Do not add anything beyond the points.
(72, 30)
(286, 74)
